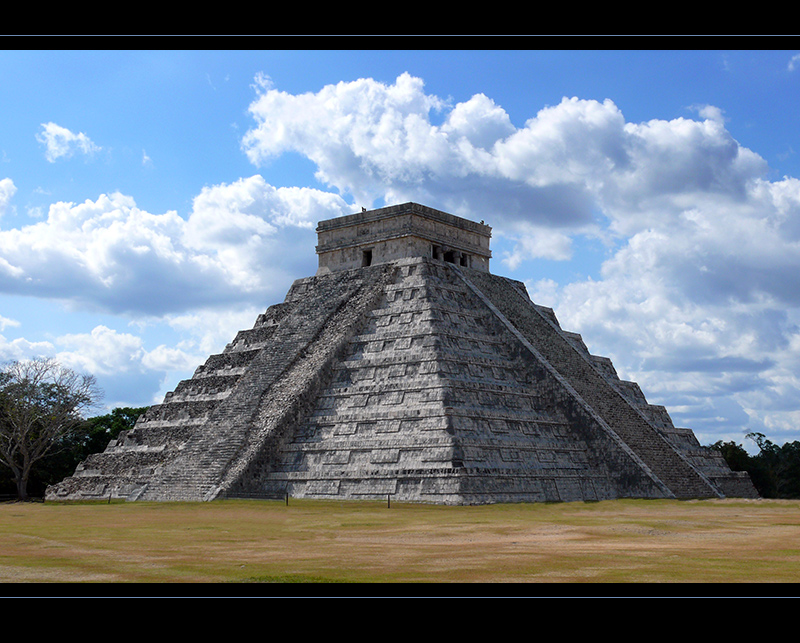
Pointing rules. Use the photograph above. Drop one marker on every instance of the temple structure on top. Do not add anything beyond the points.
(405, 369)
(408, 230)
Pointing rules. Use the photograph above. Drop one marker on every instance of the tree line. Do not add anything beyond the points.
(774, 470)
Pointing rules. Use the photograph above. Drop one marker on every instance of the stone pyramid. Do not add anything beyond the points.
(405, 370)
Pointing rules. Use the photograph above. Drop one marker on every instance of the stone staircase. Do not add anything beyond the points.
(261, 410)
(433, 402)
(540, 328)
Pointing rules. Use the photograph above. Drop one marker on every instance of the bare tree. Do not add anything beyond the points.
(41, 402)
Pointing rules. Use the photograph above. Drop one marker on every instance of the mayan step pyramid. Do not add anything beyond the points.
(405, 370)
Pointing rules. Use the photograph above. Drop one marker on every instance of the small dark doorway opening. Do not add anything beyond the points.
(450, 256)
(366, 258)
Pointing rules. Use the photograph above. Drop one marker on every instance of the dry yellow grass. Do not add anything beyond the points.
(623, 541)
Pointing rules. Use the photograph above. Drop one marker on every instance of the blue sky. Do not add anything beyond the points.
(152, 203)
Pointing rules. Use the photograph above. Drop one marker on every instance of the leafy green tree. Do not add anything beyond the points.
(98, 431)
(41, 406)
(789, 475)
(91, 436)
(774, 470)
(735, 455)
(780, 465)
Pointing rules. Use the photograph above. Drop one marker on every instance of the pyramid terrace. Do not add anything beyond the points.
(405, 369)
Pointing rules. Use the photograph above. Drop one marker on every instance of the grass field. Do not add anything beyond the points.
(251, 542)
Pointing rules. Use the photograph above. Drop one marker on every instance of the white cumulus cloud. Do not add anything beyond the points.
(236, 245)
(570, 168)
(60, 142)
(102, 351)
